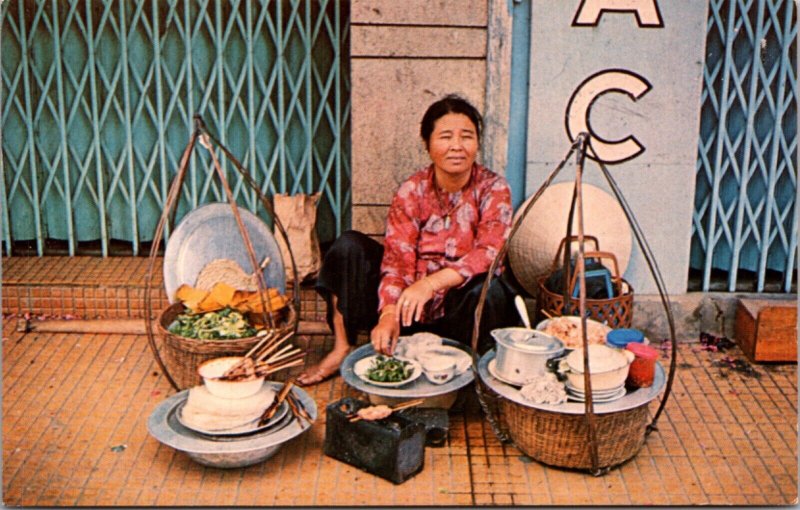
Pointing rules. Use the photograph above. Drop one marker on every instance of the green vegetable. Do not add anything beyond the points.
(225, 324)
(385, 369)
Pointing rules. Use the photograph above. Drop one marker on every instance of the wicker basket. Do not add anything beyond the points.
(559, 439)
(183, 355)
(617, 311)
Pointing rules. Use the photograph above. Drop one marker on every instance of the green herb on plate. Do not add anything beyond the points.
(389, 370)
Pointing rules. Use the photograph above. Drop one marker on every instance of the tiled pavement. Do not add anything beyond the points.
(74, 434)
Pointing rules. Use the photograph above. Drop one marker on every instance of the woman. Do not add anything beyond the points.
(445, 226)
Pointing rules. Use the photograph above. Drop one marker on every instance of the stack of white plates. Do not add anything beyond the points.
(598, 396)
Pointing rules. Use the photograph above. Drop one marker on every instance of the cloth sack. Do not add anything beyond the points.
(298, 215)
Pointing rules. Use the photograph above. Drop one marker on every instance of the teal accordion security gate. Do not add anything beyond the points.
(98, 98)
(745, 218)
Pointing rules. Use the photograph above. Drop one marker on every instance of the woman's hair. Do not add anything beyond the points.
(451, 103)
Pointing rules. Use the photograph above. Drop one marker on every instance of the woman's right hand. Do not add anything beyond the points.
(384, 336)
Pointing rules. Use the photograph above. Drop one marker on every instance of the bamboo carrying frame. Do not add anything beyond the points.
(580, 441)
(183, 355)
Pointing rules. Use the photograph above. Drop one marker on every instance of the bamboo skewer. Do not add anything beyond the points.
(263, 358)
(285, 354)
(264, 368)
(272, 346)
(240, 364)
(398, 407)
(270, 411)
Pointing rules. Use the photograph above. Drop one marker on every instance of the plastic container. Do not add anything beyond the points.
(620, 338)
(643, 368)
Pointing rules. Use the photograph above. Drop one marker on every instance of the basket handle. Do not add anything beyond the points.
(615, 276)
(572, 239)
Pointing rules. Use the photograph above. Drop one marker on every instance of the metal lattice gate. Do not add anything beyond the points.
(98, 98)
(745, 220)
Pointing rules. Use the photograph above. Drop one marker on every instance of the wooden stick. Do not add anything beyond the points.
(272, 346)
(239, 364)
(298, 408)
(284, 355)
(287, 365)
(261, 342)
(269, 412)
(288, 359)
(128, 326)
(544, 312)
(398, 407)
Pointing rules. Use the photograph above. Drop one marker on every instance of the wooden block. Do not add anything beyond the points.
(766, 330)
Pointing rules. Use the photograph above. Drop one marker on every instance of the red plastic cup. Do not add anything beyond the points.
(643, 368)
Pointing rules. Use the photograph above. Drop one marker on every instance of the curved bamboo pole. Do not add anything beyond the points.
(576, 205)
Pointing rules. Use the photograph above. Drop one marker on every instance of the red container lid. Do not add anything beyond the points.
(643, 351)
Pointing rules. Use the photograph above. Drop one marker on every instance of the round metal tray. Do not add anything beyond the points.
(210, 232)
(231, 451)
(631, 400)
(420, 388)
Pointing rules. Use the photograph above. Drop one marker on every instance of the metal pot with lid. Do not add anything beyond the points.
(523, 353)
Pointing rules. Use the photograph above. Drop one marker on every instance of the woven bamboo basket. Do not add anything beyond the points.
(183, 355)
(588, 441)
(617, 311)
(559, 439)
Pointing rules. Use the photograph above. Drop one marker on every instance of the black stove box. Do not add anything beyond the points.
(392, 448)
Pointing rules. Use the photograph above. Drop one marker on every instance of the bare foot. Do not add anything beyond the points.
(328, 367)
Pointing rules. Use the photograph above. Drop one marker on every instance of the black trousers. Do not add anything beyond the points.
(351, 272)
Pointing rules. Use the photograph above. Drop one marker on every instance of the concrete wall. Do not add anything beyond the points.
(405, 55)
(658, 182)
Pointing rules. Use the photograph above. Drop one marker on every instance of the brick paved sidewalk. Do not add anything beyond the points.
(74, 434)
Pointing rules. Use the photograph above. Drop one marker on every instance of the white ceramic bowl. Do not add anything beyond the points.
(212, 369)
(608, 367)
(439, 369)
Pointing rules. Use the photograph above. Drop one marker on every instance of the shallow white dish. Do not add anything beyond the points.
(252, 429)
(361, 366)
(461, 358)
(597, 399)
(597, 393)
(492, 367)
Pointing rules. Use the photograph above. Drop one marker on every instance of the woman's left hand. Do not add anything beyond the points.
(412, 301)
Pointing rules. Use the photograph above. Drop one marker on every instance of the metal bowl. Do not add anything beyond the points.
(226, 452)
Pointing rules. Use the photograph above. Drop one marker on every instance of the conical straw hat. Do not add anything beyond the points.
(535, 243)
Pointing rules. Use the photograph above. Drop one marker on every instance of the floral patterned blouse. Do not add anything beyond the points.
(429, 229)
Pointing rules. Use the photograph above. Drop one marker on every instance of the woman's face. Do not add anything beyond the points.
(453, 144)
